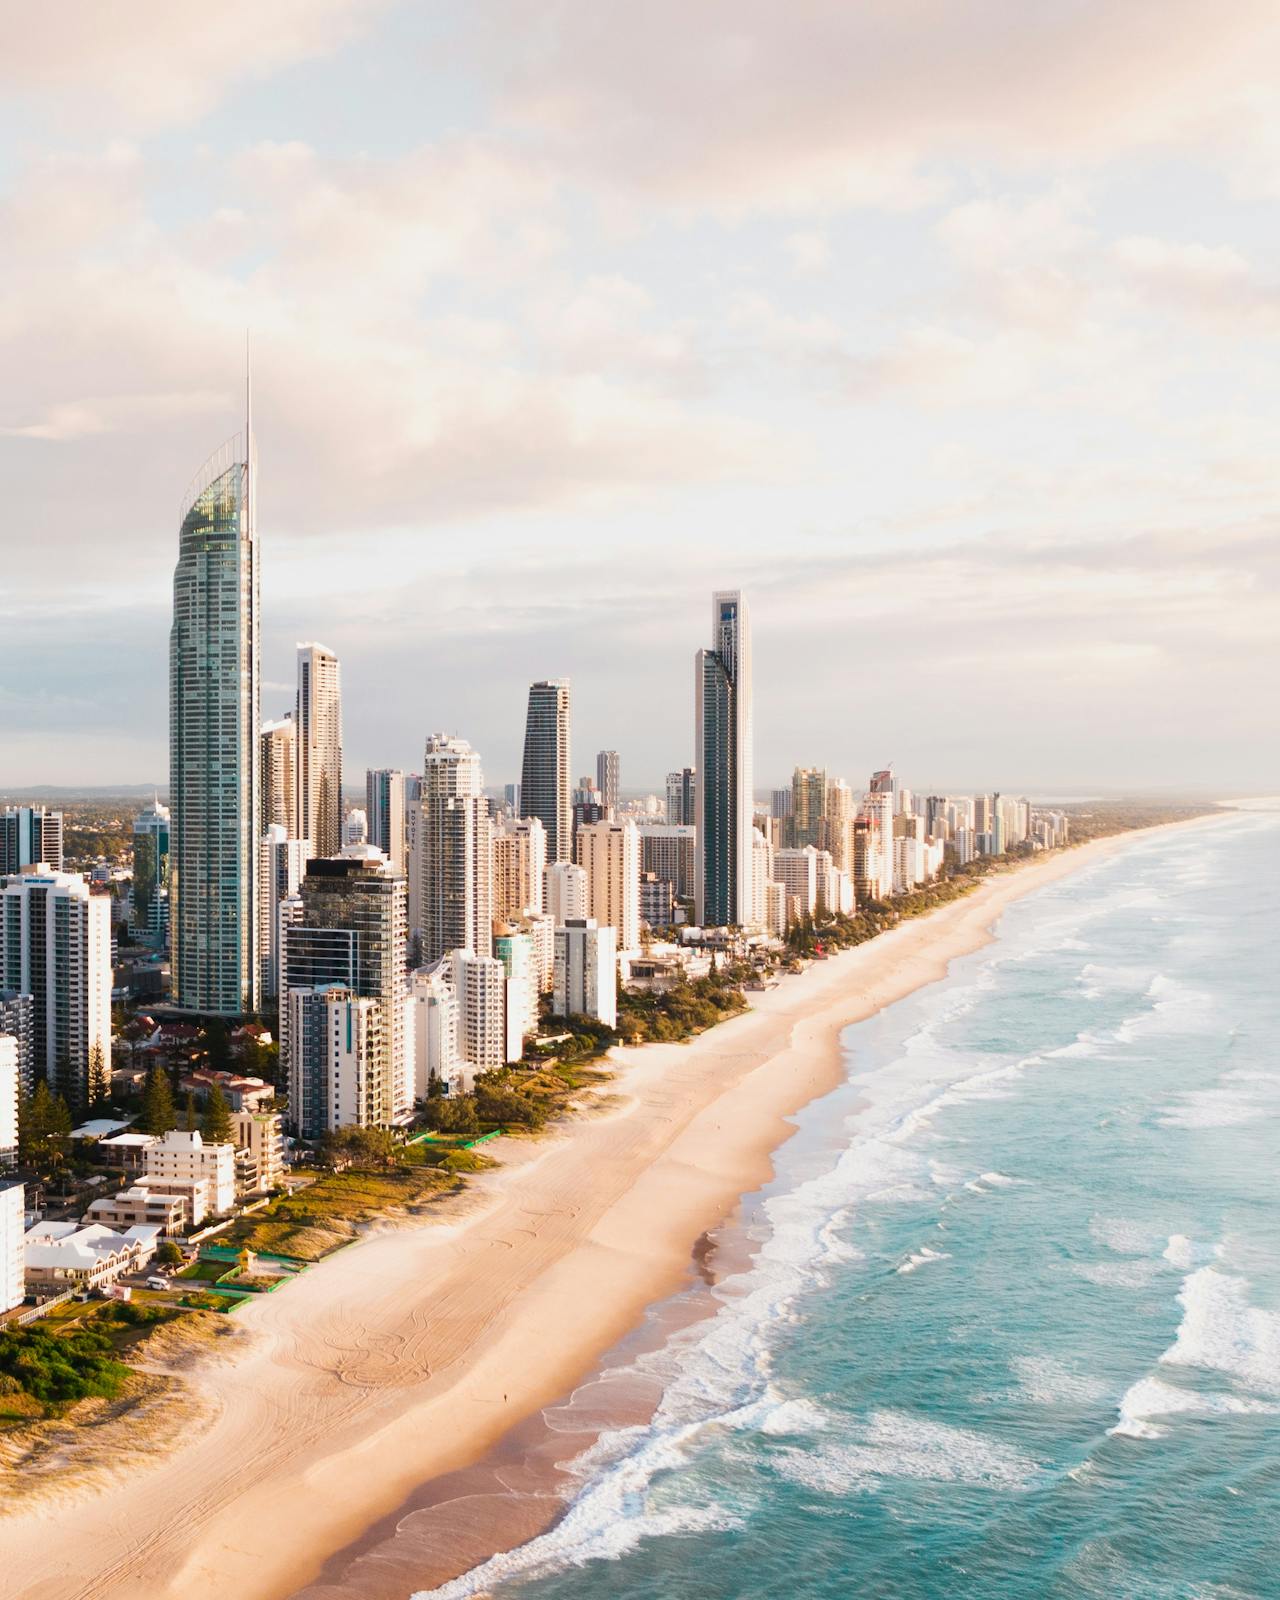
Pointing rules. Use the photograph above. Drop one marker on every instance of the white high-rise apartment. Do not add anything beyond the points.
(586, 977)
(384, 792)
(335, 1059)
(10, 1084)
(17, 1023)
(723, 750)
(12, 1262)
(282, 863)
(761, 877)
(797, 872)
(183, 1161)
(480, 983)
(55, 945)
(609, 854)
(514, 948)
(544, 778)
(435, 1029)
(609, 781)
(566, 893)
(214, 745)
(355, 827)
(319, 720)
(455, 855)
(519, 866)
(280, 775)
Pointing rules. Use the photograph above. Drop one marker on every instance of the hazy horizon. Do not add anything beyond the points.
(948, 334)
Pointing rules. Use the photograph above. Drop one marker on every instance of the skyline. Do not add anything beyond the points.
(543, 356)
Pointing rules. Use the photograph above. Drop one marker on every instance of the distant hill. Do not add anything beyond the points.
(103, 791)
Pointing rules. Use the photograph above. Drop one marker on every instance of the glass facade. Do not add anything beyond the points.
(214, 751)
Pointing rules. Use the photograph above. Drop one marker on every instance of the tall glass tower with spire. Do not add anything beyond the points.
(722, 741)
(214, 746)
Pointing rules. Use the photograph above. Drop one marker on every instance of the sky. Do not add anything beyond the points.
(949, 332)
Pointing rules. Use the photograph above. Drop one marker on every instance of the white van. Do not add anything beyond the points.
(159, 1283)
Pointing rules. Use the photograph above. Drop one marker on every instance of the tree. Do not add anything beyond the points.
(99, 1080)
(452, 1114)
(189, 1111)
(168, 1254)
(157, 1102)
(215, 1125)
(219, 1046)
(368, 1147)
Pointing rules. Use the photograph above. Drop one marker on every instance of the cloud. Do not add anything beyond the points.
(163, 62)
(745, 104)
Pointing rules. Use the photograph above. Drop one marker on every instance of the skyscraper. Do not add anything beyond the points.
(519, 865)
(214, 749)
(151, 874)
(608, 778)
(722, 743)
(55, 946)
(279, 804)
(455, 866)
(544, 780)
(29, 837)
(808, 806)
(319, 722)
(384, 807)
(682, 792)
(282, 862)
(609, 854)
(349, 935)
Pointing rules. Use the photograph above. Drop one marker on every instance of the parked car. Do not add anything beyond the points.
(158, 1283)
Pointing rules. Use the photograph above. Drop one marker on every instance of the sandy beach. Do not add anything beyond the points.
(413, 1353)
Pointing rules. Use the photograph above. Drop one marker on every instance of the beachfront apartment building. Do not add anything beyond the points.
(180, 1162)
(586, 978)
(345, 939)
(609, 854)
(260, 1135)
(141, 1205)
(10, 1089)
(12, 1218)
(55, 946)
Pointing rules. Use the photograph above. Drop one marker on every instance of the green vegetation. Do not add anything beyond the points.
(683, 1011)
(168, 1254)
(48, 1370)
(44, 1124)
(215, 1124)
(1098, 819)
(158, 1114)
(330, 1212)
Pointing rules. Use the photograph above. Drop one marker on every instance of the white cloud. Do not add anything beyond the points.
(160, 62)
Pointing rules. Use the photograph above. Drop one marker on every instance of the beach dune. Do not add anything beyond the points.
(410, 1354)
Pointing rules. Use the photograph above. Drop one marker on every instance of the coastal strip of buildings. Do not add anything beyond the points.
(399, 948)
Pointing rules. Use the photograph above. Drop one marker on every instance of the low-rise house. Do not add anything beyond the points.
(242, 1094)
(143, 1206)
(73, 1255)
(127, 1150)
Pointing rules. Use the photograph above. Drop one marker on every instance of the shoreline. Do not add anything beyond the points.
(418, 1353)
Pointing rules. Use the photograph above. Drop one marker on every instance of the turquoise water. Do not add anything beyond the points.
(1012, 1329)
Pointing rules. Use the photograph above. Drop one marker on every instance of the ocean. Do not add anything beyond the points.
(1009, 1321)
